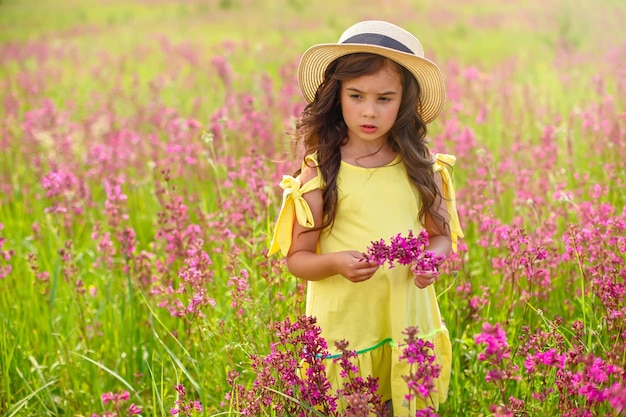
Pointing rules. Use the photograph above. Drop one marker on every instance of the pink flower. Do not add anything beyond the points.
(405, 250)
(419, 353)
(617, 397)
(495, 339)
(108, 397)
(134, 410)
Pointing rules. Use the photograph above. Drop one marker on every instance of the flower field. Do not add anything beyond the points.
(141, 147)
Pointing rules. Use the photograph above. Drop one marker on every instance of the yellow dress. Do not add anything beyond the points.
(373, 204)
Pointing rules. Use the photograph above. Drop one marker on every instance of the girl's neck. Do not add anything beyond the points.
(372, 156)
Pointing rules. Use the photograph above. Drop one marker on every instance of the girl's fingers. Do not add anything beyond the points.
(362, 272)
(365, 274)
(358, 269)
(423, 279)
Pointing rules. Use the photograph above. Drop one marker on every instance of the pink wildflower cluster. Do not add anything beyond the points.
(405, 250)
(360, 393)
(182, 406)
(422, 380)
(175, 231)
(5, 255)
(497, 353)
(280, 374)
(556, 370)
(56, 183)
(117, 400)
(497, 356)
(240, 285)
(295, 369)
(67, 194)
(190, 297)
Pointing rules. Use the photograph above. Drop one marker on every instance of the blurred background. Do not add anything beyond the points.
(144, 37)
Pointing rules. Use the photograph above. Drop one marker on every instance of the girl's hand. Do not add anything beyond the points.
(353, 267)
(423, 279)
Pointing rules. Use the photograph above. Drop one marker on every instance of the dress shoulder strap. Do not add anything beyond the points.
(294, 207)
(442, 163)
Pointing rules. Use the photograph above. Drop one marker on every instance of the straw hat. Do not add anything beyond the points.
(382, 38)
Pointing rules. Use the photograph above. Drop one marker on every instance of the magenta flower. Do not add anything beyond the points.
(428, 261)
(617, 397)
(548, 358)
(134, 410)
(421, 381)
(497, 347)
(117, 398)
(497, 355)
(5, 255)
(183, 406)
(404, 251)
(362, 391)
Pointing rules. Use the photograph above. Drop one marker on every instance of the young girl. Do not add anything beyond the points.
(368, 175)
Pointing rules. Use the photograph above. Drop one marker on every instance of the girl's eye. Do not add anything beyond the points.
(385, 99)
(355, 96)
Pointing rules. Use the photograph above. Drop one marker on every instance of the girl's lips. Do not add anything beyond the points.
(368, 128)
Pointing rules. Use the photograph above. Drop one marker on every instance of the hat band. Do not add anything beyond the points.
(378, 40)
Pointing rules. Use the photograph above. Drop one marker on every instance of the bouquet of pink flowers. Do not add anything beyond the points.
(404, 251)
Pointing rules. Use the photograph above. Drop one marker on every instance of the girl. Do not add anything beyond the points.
(369, 175)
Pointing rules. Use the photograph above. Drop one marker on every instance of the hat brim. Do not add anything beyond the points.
(316, 59)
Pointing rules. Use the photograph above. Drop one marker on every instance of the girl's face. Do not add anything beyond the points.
(370, 104)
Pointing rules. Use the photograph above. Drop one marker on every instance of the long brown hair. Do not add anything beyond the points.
(323, 130)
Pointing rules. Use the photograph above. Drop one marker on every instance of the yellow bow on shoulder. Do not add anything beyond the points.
(442, 161)
(294, 204)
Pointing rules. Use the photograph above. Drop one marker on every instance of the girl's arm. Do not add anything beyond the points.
(439, 237)
(303, 260)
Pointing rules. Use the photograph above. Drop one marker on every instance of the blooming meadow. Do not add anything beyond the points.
(141, 147)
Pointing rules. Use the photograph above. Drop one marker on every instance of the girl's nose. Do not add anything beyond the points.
(369, 109)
